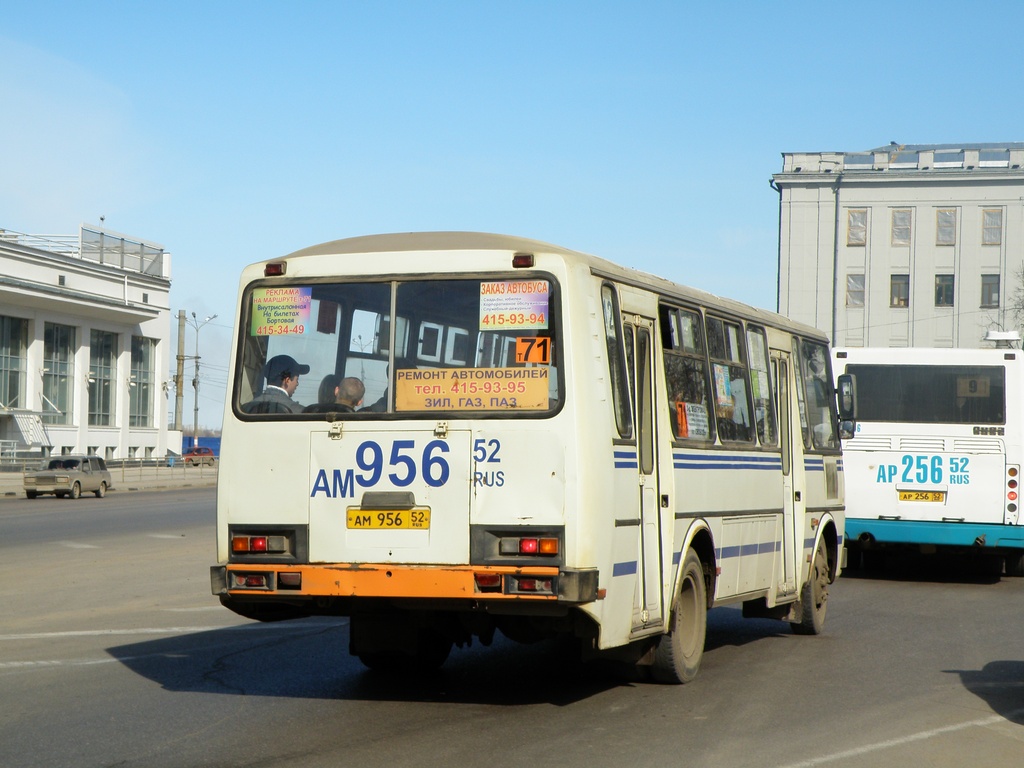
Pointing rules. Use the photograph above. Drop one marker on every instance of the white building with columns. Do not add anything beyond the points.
(84, 345)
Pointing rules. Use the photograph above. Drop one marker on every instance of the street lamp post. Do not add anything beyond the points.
(195, 323)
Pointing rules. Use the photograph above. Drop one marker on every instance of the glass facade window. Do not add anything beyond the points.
(901, 227)
(992, 226)
(59, 342)
(857, 227)
(142, 382)
(855, 290)
(102, 376)
(989, 291)
(944, 290)
(945, 227)
(899, 291)
(13, 361)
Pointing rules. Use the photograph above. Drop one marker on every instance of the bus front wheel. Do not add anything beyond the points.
(814, 596)
(678, 655)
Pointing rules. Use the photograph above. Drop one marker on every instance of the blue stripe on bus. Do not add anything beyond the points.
(727, 461)
(625, 460)
(624, 569)
(746, 550)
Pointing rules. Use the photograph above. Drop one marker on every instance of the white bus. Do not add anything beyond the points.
(935, 460)
(548, 444)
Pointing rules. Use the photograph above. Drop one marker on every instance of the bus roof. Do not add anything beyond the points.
(485, 241)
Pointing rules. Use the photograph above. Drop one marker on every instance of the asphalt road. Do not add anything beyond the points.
(113, 652)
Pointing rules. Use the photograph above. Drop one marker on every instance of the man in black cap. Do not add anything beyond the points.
(282, 374)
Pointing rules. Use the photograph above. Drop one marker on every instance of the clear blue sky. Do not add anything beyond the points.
(644, 132)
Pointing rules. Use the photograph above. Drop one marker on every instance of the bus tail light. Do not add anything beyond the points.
(487, 581)
(528, 545)
(259, 545)
(531, 584)
(1011, 484)
(250, 580)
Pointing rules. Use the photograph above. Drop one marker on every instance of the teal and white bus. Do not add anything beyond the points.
(934, 463)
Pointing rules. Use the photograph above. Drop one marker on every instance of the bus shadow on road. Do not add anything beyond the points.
(1000, 684)
(938, 568)
(309, 659)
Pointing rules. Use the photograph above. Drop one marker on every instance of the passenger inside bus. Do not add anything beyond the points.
(381, 405)
(347, 394)
(282, 374)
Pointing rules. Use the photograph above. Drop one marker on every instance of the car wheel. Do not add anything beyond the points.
(76, 491)
(101, 491)
(31, 494)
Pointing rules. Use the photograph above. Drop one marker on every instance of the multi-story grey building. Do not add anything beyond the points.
(904, 245)
(84, 345)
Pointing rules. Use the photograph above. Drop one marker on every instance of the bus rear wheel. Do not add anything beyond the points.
(678, 655)
(814, 596)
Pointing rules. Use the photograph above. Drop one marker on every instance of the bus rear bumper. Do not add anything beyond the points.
(861, 533)
(340, 580)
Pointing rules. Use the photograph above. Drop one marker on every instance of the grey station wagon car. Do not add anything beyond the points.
(69, 476)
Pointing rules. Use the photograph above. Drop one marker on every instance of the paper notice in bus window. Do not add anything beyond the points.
(513, 304)
(281, 311)
(692, 420)
(471, 389)
(969, 386)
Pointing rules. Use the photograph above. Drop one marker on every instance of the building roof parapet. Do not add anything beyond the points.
(100, 246)
(910, 158)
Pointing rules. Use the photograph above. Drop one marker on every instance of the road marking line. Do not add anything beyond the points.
(77, 545)
(168, 630)
(908, 739)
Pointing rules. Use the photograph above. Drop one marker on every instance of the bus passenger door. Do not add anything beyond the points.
(639, 336)
(791, 537)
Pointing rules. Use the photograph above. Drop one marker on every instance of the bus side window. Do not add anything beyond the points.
(685, 374)
(820, 406)
(729, 379)
(616, 361)
(764, 404)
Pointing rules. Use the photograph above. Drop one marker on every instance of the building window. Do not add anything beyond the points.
(141, 384)
(992, 226)
(13, 361)
(901, 227)
(102, 375)
(857, 227)
(899, 291)
(945, 227)
(855, 290)
(943, 290)
(990, 291)
(58, 373)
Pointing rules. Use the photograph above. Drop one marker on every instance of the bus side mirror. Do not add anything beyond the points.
(846, 400)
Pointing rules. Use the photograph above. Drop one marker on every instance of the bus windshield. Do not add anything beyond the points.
(484, 344)
(930, 394)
